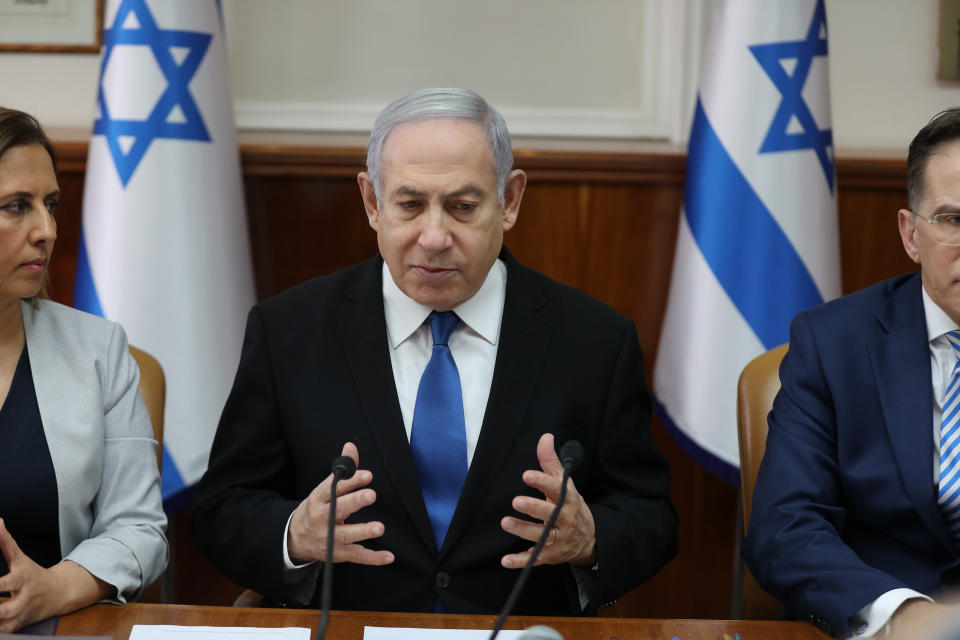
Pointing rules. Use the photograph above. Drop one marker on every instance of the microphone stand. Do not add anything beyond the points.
(343, 468)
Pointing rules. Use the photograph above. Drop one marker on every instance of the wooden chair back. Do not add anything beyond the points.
(758, 385)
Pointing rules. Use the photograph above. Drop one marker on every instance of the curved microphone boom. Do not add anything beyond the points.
(343, 467)
(571, 455)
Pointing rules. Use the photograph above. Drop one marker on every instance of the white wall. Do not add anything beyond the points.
(883, 64)
(619, 69)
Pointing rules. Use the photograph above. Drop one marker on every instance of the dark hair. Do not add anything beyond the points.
(943, 128)
(19, 129)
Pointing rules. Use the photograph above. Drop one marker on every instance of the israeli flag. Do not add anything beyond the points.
(164, 247)
(758, 232)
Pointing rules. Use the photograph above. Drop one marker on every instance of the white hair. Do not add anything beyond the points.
(426, 104)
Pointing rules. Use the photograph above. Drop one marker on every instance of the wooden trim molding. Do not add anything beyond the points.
(542, 165)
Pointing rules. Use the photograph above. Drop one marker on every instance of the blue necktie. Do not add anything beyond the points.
(438, 439)
(949, 493)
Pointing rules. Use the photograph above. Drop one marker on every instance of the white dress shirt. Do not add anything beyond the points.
(473, 344)
(875, 616)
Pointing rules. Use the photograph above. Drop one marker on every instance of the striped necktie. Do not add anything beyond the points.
(438, 439)
(949, 494)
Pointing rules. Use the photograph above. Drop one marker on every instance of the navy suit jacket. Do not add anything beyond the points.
(845, 502)
(315, 372)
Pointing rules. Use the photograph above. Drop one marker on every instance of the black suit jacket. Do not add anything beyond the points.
(315, 372)
(845, 505)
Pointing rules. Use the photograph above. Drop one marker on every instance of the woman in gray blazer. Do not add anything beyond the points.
(81, 518)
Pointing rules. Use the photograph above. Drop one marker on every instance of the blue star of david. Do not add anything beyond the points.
(792, 103)
(144, 132)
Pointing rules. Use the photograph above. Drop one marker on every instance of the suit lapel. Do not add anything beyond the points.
(901, 364)
(363, 330)
(525, 334)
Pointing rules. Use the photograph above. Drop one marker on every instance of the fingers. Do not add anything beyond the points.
(307, 537)
(537, 509)
(350, 450)
(8, 545)
(11, 614)
(349, 504)
(520, 560)
(359, 479)
(546, 484)
(547, 455)
(358, 554)
(529, 531)
(347, 534)
(11, 582)
(576, 540)
(345, 549)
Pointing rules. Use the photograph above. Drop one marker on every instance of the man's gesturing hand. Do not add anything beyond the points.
(307, 534)
(574, 540)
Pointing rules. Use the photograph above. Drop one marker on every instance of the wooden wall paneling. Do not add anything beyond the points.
(871, 193)
(301, 228)
(62, 269)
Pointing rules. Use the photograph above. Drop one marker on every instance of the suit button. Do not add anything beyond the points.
(441, 580)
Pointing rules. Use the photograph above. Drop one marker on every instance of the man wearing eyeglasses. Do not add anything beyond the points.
(856, 513)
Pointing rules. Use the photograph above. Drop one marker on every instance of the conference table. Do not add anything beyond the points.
(116, 621)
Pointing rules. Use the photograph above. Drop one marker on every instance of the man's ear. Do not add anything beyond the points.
(908, 233)
(369, 195)
(512, 195)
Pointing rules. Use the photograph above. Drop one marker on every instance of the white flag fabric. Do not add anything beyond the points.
(164, 247)
(757, 241)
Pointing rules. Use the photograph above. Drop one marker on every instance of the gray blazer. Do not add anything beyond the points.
(101, 442)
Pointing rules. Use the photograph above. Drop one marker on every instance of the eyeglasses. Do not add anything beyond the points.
(945, 228)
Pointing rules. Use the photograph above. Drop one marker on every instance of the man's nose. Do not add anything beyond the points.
(435, 234)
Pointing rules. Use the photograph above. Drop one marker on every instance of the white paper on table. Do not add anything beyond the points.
(178, 632)
(398, 633)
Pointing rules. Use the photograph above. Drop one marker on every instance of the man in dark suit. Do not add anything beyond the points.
(452, 374)
(855, 522)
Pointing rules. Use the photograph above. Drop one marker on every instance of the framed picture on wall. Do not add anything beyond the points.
(51, 25)
(948, 66)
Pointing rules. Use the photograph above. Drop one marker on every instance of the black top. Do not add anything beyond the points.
(28, 485)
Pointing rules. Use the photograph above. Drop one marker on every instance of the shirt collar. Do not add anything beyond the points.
(938, 322)
(482, 312)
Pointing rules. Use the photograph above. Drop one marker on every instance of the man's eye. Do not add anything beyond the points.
(409, 204)
(52, 206)
(951, 219)
(465, 207)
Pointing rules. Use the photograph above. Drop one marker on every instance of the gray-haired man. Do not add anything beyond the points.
(451, 374)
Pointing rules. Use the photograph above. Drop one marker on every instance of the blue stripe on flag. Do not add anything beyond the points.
(84, 291)
(750, 255)
(170, 480)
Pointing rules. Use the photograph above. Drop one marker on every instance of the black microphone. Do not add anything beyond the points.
(343, 467)
(571, 455)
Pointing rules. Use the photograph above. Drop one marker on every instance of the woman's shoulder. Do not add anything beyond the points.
(46, 316)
